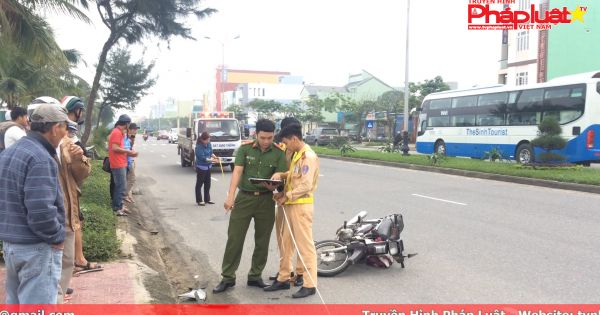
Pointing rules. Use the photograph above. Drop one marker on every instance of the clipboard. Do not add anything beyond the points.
(257, 181)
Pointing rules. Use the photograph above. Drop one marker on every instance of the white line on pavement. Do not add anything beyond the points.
(216, 180)
(163, 156)
(320, 175)
(438, 199)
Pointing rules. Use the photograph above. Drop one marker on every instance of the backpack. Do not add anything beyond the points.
(106, 165)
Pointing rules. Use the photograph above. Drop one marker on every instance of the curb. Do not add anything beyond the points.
(474, 174)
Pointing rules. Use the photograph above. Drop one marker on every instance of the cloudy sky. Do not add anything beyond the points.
(322, 40)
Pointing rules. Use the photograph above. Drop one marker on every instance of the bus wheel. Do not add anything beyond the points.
(524, 154)
(440, 147)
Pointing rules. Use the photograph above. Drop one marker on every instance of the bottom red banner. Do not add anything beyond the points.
(308, 309)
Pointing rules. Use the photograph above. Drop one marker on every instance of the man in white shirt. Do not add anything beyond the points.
(12, 131)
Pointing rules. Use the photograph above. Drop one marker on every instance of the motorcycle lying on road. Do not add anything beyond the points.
(360, 240)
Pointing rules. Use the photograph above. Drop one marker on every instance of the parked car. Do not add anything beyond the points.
(354, 135)
(173, 135)
(321, 136)
(162, 135)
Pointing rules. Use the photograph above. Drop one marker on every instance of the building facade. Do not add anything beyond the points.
(532, 56)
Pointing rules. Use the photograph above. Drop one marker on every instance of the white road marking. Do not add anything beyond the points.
(442, 200)
(216, 180)
(151, 151)
(320, 175)
(163, 156)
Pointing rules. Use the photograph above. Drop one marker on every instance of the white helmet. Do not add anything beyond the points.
(41, 100)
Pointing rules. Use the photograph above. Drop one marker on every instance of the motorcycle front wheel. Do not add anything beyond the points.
(330, 264)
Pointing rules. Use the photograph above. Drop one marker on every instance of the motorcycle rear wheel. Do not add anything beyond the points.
(331, 264)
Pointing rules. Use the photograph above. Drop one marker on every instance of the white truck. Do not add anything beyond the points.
(225, 137)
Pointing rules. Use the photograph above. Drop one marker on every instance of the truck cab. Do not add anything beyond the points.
(225, 137)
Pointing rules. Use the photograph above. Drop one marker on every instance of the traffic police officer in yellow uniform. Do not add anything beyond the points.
(298, 203)
(279, 222)
(258, 159)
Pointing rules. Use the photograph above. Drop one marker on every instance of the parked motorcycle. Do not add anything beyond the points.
(359, 240)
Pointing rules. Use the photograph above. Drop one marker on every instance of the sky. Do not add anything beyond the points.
(322, 40)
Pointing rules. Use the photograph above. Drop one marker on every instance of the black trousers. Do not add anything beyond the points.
(202, 179)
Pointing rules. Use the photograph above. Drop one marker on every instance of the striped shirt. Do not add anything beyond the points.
(31, 201)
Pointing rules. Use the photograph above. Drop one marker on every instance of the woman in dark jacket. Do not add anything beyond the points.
(204, 160)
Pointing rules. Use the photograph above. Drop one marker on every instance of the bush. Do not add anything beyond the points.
(493, 155)
(389, 148)
(338, 142)
(549, 139)
(100, 240)
(436, 158)
(346, 149)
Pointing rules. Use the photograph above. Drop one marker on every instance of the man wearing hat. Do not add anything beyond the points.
(117, 156)
(32, 210)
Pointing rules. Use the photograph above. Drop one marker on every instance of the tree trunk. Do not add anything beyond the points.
(95, 86)
(99, 116)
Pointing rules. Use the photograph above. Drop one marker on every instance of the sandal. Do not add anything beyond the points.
(120, 213)
(87, 266)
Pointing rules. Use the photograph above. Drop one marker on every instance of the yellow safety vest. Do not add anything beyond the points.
(288, 185)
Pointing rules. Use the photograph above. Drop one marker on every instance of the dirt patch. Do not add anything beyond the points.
(177, 268)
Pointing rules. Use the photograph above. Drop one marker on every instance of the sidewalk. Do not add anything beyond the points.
(113, 285)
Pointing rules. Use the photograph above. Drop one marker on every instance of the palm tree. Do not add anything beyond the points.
(31, 62)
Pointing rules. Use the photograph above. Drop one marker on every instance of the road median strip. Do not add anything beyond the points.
(580, 179)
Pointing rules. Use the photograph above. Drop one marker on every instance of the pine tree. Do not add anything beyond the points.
(550, 139)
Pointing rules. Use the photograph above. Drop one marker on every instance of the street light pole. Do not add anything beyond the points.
(405, 148)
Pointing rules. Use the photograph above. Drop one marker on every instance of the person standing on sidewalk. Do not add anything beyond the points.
(258, 159)
(298, 203)
(75, 110)
(32, 210)
(15, 129)
(74, 168)
(131, 133)
(117, 156)
(204, 160)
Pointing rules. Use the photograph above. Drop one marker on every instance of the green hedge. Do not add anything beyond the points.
(100, 241)
(580, 175)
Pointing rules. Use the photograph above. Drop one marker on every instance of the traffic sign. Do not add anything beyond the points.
(370, 124)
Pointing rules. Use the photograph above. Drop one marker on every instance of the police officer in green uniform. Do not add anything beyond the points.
(257, 159)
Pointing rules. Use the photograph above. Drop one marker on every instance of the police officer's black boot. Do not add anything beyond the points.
(276, 285)
(304, 292)
(222, 286)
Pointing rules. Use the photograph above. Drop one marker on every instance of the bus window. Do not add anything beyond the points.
(439, 104)
(565, 104)
(496, 99)
(463, 120)
(530, 100)
(523, 119)
(464, 101)
(439, 121)
(490, 120)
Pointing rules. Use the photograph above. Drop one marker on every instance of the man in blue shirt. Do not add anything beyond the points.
(32, 211)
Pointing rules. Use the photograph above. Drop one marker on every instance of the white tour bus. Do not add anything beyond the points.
(471, 122)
